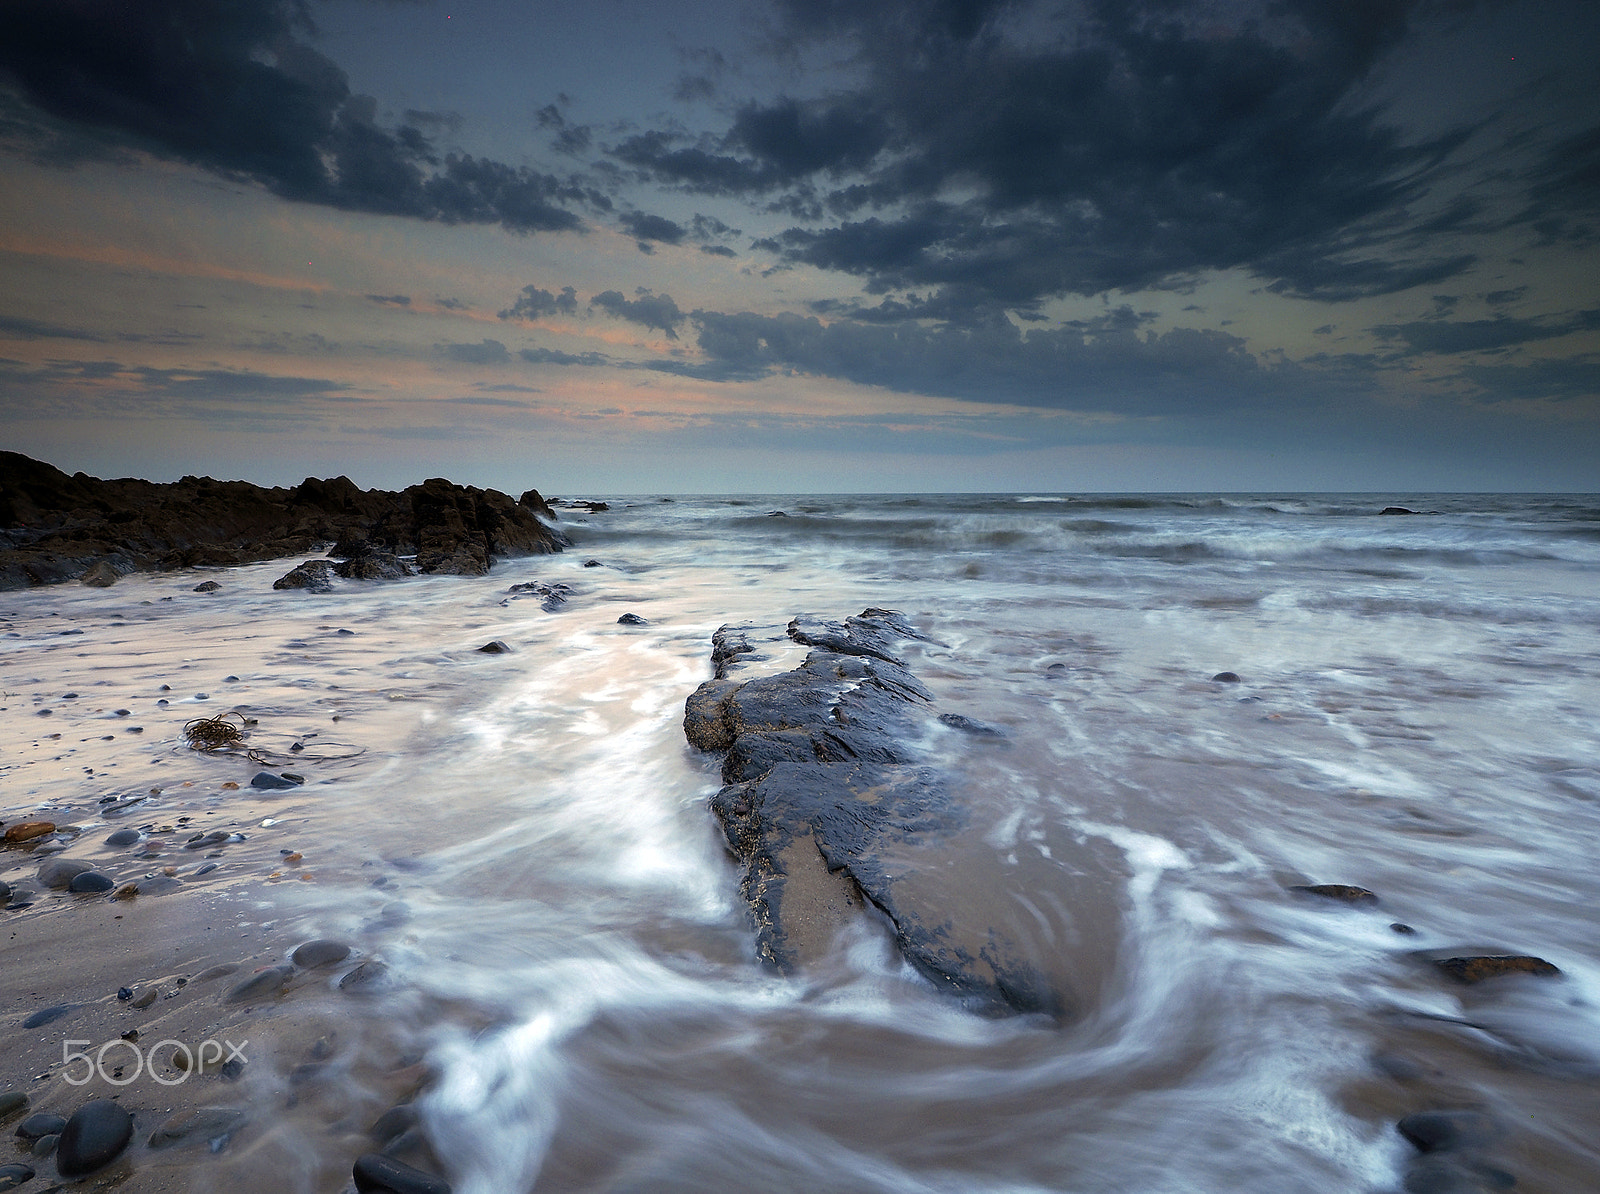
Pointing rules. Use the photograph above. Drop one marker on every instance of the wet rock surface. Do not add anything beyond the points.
(828, 805)
(55, 527)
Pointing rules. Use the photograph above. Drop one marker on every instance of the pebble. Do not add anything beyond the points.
(495, 647)
(1339, 891)
(26, 831)
(593, 564)
(93, 1137)
(378, 1174)
(40, 1123)
(1226, 678)
(393, 1122)
(13, 1175)
(269, 984)
(320, 953)
(11, 1102)
(216, 972)
(1476, 969)
(144, 998)
(1441, 1131)
(91, 883)
(210, 1124)
(365, 979)
(47, 1015)
(265, 779)
(206, 869)
(124, 837)
(202, 840)
(45, 1145)
(632, 620)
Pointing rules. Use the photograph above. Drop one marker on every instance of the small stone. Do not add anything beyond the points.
(216, 972)
(26, 831)
(124, 837)
(1226, 678)
(320, 953)
(495, 647)
(45, 1145)
(144, 998)
(11, 1102)
(211, 1125)
(1442, 1131)
(206, 869)
(14, 1175)
(377, 1174)
(93, 1137)
(40, 1123)
(631, 620)
(1404, 929)
(293, 777)
(1478, 968)
(1339, 891)
(124, 994)
(269, 984)
(365, 979)
(91, 883)
(47, 1015)
(392, 1123)
(265, 779)
(207, 586)
(593, 564)
(59, 872)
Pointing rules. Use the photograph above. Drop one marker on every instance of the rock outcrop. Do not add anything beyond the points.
(55, 527)
(831, 811)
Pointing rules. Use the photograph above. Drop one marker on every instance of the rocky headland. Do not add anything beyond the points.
(57, 527)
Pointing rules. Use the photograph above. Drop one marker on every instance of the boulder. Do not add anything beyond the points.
(314, 576)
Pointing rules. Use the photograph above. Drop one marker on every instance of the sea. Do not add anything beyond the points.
(1407, 703)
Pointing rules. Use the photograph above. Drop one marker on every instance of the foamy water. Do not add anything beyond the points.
(524, 838)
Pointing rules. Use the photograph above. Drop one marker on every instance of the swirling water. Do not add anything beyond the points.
(1415, 713)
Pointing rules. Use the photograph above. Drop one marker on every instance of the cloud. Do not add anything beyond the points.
(233, 89)
(1106, 365)
(488, 352)
(19, 328)
(1557, 381)
(392, 300)
(656, 311)
(652, 228)
(551, 356)
(534, 303)
(1483, 335)
(1159, 140)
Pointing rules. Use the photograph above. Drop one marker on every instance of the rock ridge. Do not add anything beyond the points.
(55, 527)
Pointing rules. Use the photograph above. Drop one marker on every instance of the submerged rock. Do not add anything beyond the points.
(1477, 968)
(828, 808)
(1343, 892)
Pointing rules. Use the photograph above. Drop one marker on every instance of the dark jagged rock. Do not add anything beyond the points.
(495, 647)
(826, 805)
(207, 586)
(314, 576)
(1477, 968)
(101, 574)
(968, 725)
(362, 561)
(56, 527)
(551, 597)
(93, 1137)
(727, 646)
(632, 620)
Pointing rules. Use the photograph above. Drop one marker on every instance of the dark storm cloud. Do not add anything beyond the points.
(18, 328)
(534, 302)
(233, 89)
(1483, 335)
(1160, 140)
(656, 311)
(647, 228)
(1110, 366)
(1557, 381)
(488, 352)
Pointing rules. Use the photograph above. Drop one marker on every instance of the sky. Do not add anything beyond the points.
(618, 246)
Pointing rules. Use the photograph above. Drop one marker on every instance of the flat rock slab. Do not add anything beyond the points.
(829, 808)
